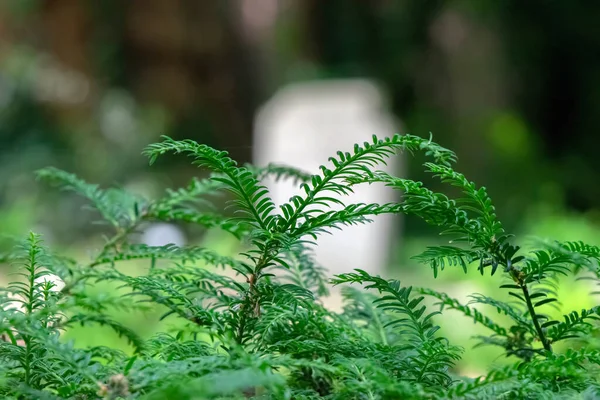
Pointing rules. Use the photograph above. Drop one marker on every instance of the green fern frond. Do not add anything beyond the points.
(116, 206)
(575, 325)
(476, 200)
(166, 347)
(252, 198)
(360, 309)
(579, 254)
(279, 323)
(205, 219)
(438, 257)
(347, 166)
(543, 265)
(221, 384)
(169, 252)
(352, 214)
(120, 329)
(302, 270)
(582, 248)
(33, 292)
(186, 205)
(280, 172)
(489, 386)
(446, 301)
(193, 194)
(504, 308)
(416, 325)
(173, 296)
(433, 363)
(434, 208)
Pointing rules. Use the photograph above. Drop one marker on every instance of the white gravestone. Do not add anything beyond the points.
(162, 234)
(305, 124)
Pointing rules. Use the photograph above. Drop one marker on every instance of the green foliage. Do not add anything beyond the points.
(255, 325)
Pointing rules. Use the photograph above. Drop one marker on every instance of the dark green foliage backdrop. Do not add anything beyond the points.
(513, 86)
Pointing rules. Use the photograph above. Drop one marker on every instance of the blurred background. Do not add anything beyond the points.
(513, 87)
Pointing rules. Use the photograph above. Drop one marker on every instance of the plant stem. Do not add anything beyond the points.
(253, 302)
(33, 251)
(536, 322)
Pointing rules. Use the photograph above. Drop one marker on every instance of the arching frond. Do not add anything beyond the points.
(281, 172)
(439, 257)
(446, 302)
(116, 206)
(168, 252)
(574, 325)
(252, 198)
(351, 165)
(415, 323)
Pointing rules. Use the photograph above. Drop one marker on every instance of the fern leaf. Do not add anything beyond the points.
(446, 301)
(481, 202)
(301, 269)
(252, 198)
(280, 172)
(116, 206)
(351, 165)
(504, 308)
(359, 308)
(353, 214)
(417, 325)
(169, 251)
(575, 324)
(121, 330)
(438, 257)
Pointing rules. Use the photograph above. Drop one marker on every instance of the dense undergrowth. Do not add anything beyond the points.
(255, 326)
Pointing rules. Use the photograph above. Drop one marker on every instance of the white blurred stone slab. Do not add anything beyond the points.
(162, 234)
(305, 124)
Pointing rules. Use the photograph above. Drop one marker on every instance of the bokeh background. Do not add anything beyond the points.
(512, 86)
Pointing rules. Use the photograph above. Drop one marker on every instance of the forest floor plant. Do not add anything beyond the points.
(264, 331)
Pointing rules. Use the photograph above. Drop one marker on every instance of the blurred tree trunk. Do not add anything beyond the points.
(190, 56)
(65, 34)
(186, 55)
